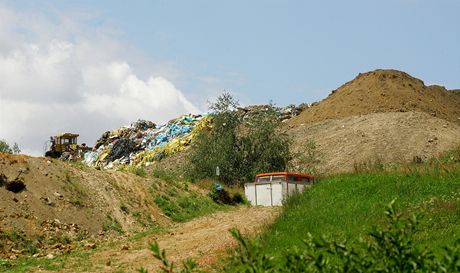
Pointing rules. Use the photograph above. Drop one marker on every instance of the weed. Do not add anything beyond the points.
(390, 248)
(165, 175)
(112, 223)
(185, 206)
(139, 171)
(124, 208)
(19, 241)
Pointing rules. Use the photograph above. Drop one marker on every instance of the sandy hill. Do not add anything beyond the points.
(384, 91)
(382, 115)
(396, 137)
(52, 203)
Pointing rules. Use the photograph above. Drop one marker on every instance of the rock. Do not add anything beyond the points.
(50, 256)
(90, 245)
(57, 194)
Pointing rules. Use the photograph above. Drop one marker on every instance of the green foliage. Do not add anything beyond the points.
(139, 171)
(6, 148)
(390, 248)
(239, 147)
(262, 147)
(182, 205)
(19, 241)
(346, 206)
(188, 266)
(221, 195)
(112, 223)
(165, 175)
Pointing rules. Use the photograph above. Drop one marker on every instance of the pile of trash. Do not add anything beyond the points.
(283, 113)
(144, 142)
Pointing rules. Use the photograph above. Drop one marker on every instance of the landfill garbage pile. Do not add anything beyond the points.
(283, 113)
(144, 142)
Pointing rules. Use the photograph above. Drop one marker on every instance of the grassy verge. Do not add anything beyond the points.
(27, 263)
(181, 204)
(346, 206)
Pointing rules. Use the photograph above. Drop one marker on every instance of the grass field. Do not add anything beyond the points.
(348, 206)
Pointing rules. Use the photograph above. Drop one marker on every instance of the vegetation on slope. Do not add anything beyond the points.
(346, 206)
(338, 225)
(239, 146)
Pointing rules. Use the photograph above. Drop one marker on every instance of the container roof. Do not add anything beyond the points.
(285, 173)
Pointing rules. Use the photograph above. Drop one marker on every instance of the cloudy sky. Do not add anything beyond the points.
(89, 66)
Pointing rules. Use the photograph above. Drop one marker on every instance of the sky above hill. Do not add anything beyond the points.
(91, 66)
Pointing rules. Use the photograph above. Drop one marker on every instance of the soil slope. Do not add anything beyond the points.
(384, 91)
(386, 137)
(205, 239)
(70, 201)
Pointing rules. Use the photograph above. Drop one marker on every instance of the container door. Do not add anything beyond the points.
(277, 194)
(250, 192)
(263, 194)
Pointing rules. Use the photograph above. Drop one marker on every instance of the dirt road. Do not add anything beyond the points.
(205, 239)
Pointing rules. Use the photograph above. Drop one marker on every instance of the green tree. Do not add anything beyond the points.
(6, 148)
(263, 147)
(240, 146)
(217, 147)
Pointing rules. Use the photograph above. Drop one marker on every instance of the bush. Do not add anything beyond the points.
(5, 147)
(240, 148)
(389, 248)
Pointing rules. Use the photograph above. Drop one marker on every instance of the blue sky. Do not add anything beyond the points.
(261, 51)
(285, 51)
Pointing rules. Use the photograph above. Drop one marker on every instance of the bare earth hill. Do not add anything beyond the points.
(381, 137)
(382, 115)
(384, 91)
(54, 202)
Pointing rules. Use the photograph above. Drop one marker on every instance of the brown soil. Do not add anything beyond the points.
(381, 137)
(65, 199)
(206, 239)
(384, 91)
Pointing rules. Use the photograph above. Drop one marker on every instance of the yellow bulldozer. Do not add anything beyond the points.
(65, 145)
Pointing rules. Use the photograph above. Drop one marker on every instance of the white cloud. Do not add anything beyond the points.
(66, 77)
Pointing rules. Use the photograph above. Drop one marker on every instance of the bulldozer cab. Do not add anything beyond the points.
(65, 143)
(62, 143)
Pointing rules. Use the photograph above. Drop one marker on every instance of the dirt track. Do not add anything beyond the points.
(205, 239)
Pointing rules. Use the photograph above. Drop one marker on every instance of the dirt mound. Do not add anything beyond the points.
(381, 137)
(46, 202)
(206, 239)
(384, 91)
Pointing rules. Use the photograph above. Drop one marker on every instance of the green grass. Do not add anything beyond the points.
(27, 263)
(112, 223)
(347, 206)
(185, 206)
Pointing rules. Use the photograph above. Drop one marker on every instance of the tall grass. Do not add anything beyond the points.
(346, 206)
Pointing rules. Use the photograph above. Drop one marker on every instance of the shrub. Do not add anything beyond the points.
(6, 148)
(389, 248)
(239, 147)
